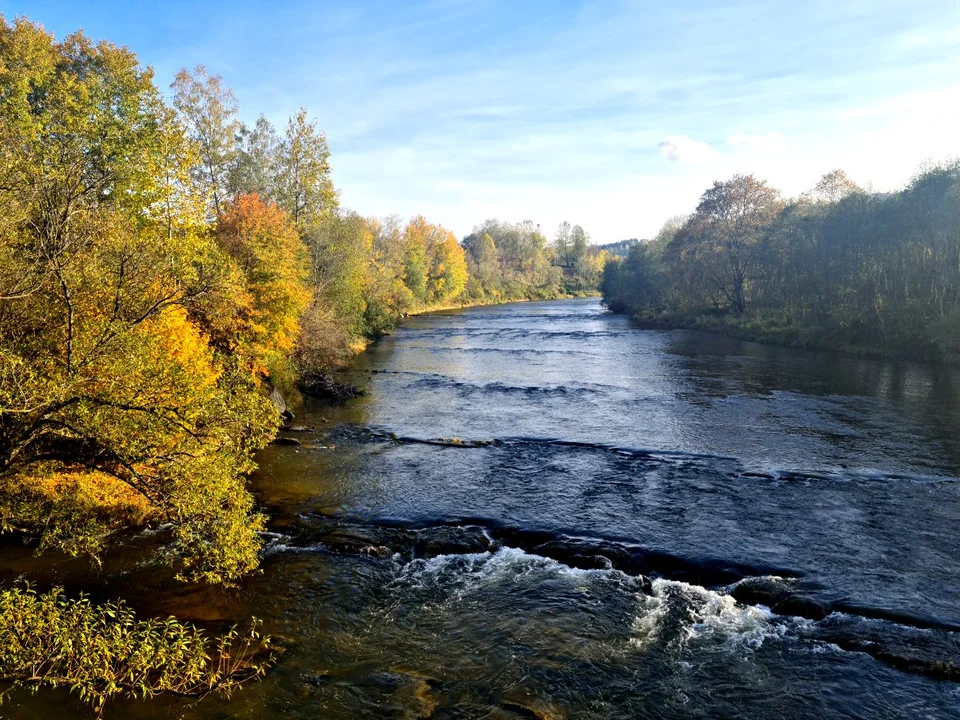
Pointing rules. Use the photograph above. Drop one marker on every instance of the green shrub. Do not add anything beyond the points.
(100, 652)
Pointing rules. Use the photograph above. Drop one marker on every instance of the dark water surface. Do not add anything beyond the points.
(539, 511)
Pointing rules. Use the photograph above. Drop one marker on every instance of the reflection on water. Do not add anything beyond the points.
(540, 511)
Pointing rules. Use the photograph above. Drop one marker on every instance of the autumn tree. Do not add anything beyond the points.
(113, 406)
(416, 271)
(448, 267)
(273, 265)
(303, 185)
(209, 110)
(723, 236)
(385, 295)
(341, 248)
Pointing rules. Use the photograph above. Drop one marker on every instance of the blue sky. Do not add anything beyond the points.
(612, 114)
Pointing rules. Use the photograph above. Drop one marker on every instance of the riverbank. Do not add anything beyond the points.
(785, 334)
(486, 303)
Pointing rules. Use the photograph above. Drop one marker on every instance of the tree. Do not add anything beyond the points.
(723, 236)
(561, 243)
(341, 247)
(416, 271)
(254, 168)
(484, 252)
(832, 188)
(304, 187)
(637, 283)
(578, 261)
(448, 267)
(113, 406)
(210, 111)
(273, 263)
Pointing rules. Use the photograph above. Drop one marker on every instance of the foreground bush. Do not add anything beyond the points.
(100, 652)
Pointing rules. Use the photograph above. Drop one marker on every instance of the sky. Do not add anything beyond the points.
(613, 114)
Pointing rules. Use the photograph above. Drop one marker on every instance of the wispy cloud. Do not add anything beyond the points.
(772, 141)
(680, 148)
(610, 113)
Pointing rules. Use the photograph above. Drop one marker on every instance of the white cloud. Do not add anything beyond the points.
(680, 148)
(769, 142)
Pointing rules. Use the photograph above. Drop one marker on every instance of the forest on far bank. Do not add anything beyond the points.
(839, 267)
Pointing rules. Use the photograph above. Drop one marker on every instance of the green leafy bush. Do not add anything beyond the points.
(104, 651)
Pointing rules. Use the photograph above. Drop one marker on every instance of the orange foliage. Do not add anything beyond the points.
(272, 259)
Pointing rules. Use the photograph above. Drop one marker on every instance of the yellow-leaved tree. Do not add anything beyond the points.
(448, 267)
(259, 320)
(114, 406)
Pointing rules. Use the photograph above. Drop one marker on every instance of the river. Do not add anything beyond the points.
(540, 511)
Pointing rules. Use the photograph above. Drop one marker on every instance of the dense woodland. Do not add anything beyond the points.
(164, 269)
(838, 267)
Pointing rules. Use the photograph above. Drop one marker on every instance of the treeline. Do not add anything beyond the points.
(837, 267)
(365, 272)
(163, 268)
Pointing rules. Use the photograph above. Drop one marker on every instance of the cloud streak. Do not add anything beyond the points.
(612, 114)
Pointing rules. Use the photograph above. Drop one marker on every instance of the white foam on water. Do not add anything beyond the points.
(465, 572)
(682, 615)
(277, 546)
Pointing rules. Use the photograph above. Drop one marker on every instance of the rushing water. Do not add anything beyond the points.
(539, 510)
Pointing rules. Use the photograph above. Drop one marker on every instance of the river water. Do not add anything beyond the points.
(541, 511)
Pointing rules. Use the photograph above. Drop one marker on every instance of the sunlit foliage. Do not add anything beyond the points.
(273, 264)
(102, 369)
(100, 652)
(162, 268)
(838, 266)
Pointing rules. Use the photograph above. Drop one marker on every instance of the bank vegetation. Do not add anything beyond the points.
(839, 267)
(165, 269)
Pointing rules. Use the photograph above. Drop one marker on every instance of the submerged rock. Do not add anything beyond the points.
(780, 596)
(531, 706)
(324, 385)
(451, 540)
(285, 441)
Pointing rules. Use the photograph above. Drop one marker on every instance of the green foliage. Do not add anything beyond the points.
(255, 165)
(341, 248)
(209, 110)
(102, 652)
(158, 265)
(514, 262)
(836, 267)
(304, 188)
